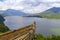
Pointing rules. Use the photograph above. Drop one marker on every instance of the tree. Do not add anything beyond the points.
(3, 28)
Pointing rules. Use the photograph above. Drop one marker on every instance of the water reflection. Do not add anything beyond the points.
(43, 26)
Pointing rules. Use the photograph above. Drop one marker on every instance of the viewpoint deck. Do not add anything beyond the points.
(26, 33)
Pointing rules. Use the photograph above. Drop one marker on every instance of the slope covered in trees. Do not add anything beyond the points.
(3, 28)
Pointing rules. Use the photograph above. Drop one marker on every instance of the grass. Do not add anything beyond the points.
(52, 37)
(56, 30)
(48, 15)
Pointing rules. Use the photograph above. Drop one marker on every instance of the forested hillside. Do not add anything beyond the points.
(3, 28)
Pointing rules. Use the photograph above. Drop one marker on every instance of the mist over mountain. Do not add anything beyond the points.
(11, 12)
(3, 13)
(15, 12)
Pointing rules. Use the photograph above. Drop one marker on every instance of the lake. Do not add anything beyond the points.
(44, 26)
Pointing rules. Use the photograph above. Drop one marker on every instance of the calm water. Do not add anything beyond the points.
(43, 26)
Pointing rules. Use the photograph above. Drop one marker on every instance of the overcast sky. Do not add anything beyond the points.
(29, 6)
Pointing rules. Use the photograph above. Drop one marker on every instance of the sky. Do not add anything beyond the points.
(29, 6)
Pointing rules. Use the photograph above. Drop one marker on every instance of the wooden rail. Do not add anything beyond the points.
(26, 33)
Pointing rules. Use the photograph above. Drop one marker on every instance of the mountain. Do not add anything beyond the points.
(15, 12)
(1, 19)
(54, 10)
(11, 12)
(50, 13)
(3, 28)
(3, 13)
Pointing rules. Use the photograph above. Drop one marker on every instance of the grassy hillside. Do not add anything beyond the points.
(53, 37)
(46, 15)
(50, 15)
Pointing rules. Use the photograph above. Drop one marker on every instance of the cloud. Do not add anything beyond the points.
(9, 4)
(56, 5)
(49, 0)
(40, 8)
(29, 6)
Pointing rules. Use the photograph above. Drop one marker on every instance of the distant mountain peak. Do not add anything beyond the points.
(15, 12)
(12, 12)
(54, 9)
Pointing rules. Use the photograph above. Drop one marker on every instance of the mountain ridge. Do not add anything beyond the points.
(53, 10)
(12, 12)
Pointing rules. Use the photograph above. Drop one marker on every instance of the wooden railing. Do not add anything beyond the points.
(26, 33)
